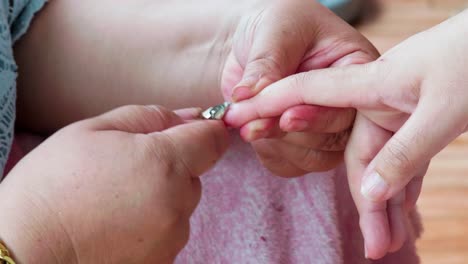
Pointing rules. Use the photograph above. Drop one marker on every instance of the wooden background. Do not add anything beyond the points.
(444, 200)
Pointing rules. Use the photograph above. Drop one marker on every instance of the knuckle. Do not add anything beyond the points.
(327, 121)
(333, 120)
(336, 141)
(218, 139)
(266, 151)
(396, 158)
(266, 66)
(147, 115)
(176, 162)
(297, 82)
(317, 161)
(163, 152)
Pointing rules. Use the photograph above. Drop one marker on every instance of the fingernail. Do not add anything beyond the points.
(374, 187)
(258, 134)
(231, 116)
(255, 130)
(152, 107)
(189, 113)
(297, 125)
(241, 93)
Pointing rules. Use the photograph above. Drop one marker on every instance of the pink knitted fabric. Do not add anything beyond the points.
(248, 215)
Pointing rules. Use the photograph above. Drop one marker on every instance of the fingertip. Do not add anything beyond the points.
(289, 123)
(219, 135)
(376, 232)
(223, 135)
(231, 117)
(239, 114)
(257, 129)
(397, 220)
(193, 146)
(299, 118)
(189, 113)
(316, 118)
(241, 93)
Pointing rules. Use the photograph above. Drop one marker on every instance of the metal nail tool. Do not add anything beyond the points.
(216, 112)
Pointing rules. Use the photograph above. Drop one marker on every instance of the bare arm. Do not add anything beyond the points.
(81, 58)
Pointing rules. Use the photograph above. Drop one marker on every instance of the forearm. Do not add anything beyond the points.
(81, 58)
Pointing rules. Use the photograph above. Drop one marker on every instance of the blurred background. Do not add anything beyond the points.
(443, 204)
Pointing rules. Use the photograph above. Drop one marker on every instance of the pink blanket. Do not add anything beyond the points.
(248, 215)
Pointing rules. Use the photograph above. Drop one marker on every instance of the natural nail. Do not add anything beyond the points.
(374, 187)
(297, 125)
(241, 93)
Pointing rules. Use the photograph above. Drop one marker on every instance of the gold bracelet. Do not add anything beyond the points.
(5, 255)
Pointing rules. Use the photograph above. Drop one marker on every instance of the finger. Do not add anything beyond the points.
(189, 113)
(375, 228)
(316, 119)
(357, 57)
(306, 159)
(348, 50)
(365, 142)
(276, 51)
(136, 119)
(352, 86)
(197, 145)
(261, 128)
(397, 219)
(324, 142)
(417, 141)
(399, 208)
(300, 118)
(413, 189)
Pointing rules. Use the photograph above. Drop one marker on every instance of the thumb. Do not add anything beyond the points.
(410, 149)
(197, 144)
(140, 119)
(275, 52)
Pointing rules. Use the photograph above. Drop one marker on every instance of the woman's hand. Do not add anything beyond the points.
(412, 102)
(274, 40)
(117, 188)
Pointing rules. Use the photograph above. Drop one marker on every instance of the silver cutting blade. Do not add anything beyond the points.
(216, 112)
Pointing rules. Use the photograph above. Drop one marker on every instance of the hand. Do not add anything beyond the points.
(118, 188)
(272, 41)
(412, 102)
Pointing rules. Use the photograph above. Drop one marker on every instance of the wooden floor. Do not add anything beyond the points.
(444, 200)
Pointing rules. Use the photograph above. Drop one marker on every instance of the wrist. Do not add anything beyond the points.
(28, 233)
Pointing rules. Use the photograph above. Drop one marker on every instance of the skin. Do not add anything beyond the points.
(121, 60)
(117, 188)
(411, 103)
